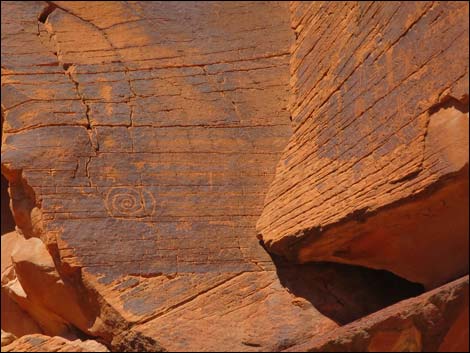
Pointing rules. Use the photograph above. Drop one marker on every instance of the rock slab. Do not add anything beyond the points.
(376, 172)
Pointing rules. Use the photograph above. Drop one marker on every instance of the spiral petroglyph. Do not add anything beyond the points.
(129, 202)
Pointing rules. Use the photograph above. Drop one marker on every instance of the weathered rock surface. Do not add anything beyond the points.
(434, 321)
(41, 343)
(15, 320)
(376, 172)
(30, 280)
(139, 140)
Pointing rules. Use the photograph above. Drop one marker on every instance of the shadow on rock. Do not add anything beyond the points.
(344, 293)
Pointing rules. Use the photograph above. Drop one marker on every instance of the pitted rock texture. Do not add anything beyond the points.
(376, 172)
(436, 321)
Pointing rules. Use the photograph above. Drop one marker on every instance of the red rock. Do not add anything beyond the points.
(37, 298)
(15, 321)
(7, 338)
(41, 343)
(434, 321)
(54, 304)
(376, 172)
(138, 147)
(139, 142)
(456, 339)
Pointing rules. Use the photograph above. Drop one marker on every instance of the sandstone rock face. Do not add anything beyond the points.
(376, 172)
(140, 140)
(423, 324)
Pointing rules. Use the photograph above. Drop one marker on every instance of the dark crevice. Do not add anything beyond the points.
(133, 341)
(344, 293)
(407, 177)
(450, 102)
(46, 12)
(25, 207)
(7, 221)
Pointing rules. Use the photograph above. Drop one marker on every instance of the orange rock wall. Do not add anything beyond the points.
(376, 172)
(140, 142)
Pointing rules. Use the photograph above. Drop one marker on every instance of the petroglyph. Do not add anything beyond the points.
(129, 202)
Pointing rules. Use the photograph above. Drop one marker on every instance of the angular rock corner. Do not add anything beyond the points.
(234, 176)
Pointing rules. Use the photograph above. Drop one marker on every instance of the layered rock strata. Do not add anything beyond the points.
(376, 171)
(140, 139)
